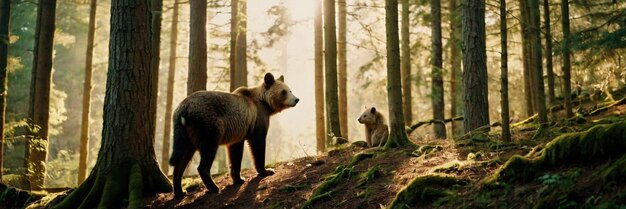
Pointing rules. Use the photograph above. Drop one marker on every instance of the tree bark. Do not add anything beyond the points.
(5, 19)
(37, 148)
(540, 98)
(504, 80)
(567, 67)
(171, 74)
(342, 68)
(320, 128)
(397, 134)
(548, 38)
(456, 80)
(156, 11)
(476, 112)
(84, 128)
(330, 61)
(527, 58)
(405, 71)
(239, 67)
(436, 61)
(197, 75)
(126, 163)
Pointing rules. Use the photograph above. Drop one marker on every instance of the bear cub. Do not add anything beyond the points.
(376, 129)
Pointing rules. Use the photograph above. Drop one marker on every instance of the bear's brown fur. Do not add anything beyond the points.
(206, 119)
(376, 129)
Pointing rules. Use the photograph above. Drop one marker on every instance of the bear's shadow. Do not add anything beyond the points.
(232, 194)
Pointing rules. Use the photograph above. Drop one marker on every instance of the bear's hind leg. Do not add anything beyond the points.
(257, 148)
(208, 149)
(179, 169)
(235, 153)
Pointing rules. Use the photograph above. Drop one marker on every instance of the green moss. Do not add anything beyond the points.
(135, 187)
(333, 180)
(371, 174)
(115, 187)
(317, 198)
(424, 190)
(426, 150)
(359, 157)
(596, 144)
(449, 167)
(294, 187)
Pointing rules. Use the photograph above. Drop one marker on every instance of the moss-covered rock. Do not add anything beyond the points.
(424, 190)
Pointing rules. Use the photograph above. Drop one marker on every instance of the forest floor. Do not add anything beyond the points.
(471, 172)
(372, 180)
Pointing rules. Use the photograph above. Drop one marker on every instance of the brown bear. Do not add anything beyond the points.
(206, 119)
(376, 129)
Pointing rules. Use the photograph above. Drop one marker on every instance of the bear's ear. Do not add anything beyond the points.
(269, 80)
(281, 79)
(373, 110)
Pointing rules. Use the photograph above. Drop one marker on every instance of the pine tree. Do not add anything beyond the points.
(437, 92)
(84, 130)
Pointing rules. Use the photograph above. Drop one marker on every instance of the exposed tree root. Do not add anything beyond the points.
(111, 189)
(431, 121)
(424, 190)
(599, 143)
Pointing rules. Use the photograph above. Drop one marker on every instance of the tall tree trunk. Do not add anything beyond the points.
(320, 128)
(476, 112)
(5, 19)
(527, 57)
(84, 128)
(456, 87)
(540, 98)
(197, 75)
(342, 68)
(330, 45)
(171, 74)
(37, 148)
(156, 11)
(567, 67)
(397, 135)
(405, 71)
(548, 37)
(436, 62)
(504, 80)
(238, 56)
(126, 167)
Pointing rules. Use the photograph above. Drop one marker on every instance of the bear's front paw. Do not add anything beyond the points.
(179, 195)
(239, 180)
(266, 172)
(213, 189)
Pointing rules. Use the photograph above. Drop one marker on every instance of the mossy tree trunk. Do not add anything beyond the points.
(84, 128)
(504, 78)
(406, 64)
(342, 68)
(567, 65)
(456, 76)
(548, 37)
(476, 112)
(171, 74)
(5, 19)
(197, 75)
(126, 164)
(320, 128)
(436, 61)
(330, 61)
(37, 148)
(397, 135)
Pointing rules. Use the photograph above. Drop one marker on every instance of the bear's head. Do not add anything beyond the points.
(277, 94)
(369, 116)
